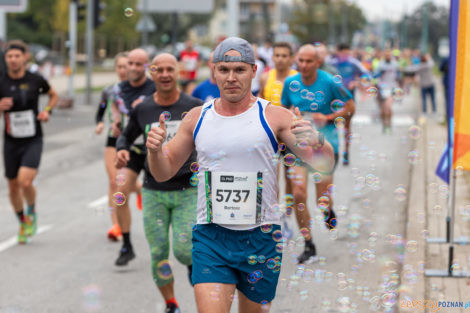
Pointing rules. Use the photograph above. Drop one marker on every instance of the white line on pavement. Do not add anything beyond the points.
(397, 120)
(98, 202)
(14, 240)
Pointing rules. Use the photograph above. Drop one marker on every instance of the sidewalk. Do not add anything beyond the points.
(100, 79)
(427, 211)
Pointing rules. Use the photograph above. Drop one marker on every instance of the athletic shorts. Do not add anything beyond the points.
(136, 162)
(111, 142)
(26, 152)
(246, 258)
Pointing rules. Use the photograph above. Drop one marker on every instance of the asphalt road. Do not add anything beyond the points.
(69, 265)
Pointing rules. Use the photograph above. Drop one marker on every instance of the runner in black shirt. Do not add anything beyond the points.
(19, 95)
(172, 202)
(130, 94)
(108, 96)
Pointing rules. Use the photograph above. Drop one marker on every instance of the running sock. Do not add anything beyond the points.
(126, 237)
(172, 300)
(30, 209)
(20, 216)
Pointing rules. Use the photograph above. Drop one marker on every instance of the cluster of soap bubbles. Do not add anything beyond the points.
(194, 168)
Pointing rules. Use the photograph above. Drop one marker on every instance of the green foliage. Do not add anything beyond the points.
(45, 18)
(310, 19)
(117, 24)
(438, 22)
(34, 25)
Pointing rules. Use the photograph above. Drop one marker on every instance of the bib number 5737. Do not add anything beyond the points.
(233, 197)
(227, 195)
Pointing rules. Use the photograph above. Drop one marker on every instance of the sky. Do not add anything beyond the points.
(393, 9)
(377, 9)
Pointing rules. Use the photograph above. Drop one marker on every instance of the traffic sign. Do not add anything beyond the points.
(146, 24)
(178, 6)
(13, 5)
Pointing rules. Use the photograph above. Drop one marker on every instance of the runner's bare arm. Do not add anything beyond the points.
(291, 130)
(53, 98)
(164, 162)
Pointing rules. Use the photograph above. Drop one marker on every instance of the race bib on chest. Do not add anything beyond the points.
(190, 64)
(234, 197)
(22, 124)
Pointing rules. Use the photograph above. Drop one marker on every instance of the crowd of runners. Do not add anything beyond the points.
(212, 152)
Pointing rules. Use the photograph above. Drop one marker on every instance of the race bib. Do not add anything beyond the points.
(171, 129)
(385, 92)
(234, 197)
(22, 124)
(190, 64)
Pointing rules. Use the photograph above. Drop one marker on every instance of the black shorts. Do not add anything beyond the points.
(111, 142)
(136, 162)
(25, 152)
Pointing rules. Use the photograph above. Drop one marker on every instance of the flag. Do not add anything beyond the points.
(461, 80)
(444, 165)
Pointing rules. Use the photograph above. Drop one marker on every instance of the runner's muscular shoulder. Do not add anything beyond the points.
(279, 119)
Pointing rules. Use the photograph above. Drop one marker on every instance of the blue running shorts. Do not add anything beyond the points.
(250, 259)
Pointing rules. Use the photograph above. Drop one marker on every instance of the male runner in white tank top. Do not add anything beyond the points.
(237, 242)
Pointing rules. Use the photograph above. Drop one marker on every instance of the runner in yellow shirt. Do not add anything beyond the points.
(271, 82)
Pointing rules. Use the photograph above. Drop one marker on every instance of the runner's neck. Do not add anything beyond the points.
(309, 80)
(226, 108)
(17, 75)
(167, 98)
(282, 74)
(138, 83)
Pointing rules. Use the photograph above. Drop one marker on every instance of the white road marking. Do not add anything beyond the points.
(397, 120)
(14, 240)
(98, 202)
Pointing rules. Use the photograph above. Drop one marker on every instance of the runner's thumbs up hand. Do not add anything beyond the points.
(156, 136)
(304, 131)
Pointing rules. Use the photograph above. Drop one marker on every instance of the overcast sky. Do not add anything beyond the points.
(394, 9)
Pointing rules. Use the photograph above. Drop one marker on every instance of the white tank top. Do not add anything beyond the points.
(240, 143)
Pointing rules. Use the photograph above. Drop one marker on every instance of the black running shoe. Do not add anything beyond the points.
(172, 308)
(309, 255)
(330, 219)
(125, 255)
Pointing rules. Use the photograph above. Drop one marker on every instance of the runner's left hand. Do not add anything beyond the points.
(303, 130)
(43, 116)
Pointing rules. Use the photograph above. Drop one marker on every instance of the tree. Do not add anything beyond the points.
(310, 19)
(34, 25)
(438, 26)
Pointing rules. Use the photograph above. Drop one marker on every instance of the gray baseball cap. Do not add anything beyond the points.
(237, 44)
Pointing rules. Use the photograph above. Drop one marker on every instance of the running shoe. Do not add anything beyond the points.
(190, 273)
(330, 219)
(345, 158)
(309, 255)
(172, 308)
(114, 233)
(31, 224)
(125, 255)
(139, 201)
(22, 237)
